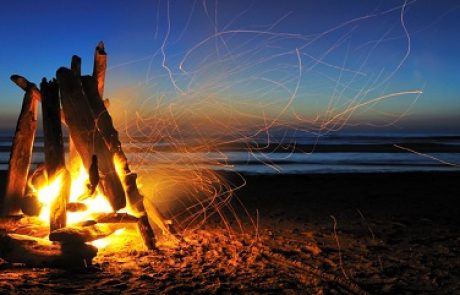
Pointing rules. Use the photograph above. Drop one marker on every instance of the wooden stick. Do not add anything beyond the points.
(75, 65)
(103, 120)
(54, 151)
(100, 66)
(52, 130)
(104, 125)
(146, 232)
(87, 140)
(21, 150)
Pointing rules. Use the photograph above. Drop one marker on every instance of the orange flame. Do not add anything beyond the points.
(48, 190)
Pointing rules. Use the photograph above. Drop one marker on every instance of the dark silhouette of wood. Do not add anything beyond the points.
(85, 136)
(146, 232)
(75, 65)
(54, 151)
(30, 205)
(103, 120)
(21, 150)
(52, 130)
(35, 252)
(109, 134)
(93, 175)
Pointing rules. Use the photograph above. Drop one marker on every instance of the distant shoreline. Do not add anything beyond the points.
(292, 148)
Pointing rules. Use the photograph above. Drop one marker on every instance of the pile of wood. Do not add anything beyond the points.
(77, 101)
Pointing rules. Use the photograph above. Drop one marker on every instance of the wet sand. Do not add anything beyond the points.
(322, 234)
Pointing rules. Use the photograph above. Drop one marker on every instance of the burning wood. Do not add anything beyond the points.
(54, 151)
(21, 150)
(94, 140)
(53, 142)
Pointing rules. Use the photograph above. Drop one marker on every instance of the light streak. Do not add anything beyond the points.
(233, 89)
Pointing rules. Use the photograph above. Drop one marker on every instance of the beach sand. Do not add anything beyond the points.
(313, 234)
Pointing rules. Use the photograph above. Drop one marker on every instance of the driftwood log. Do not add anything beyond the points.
(114, 218)
(146, 232)
(54, 151)
(109, 134)
(52, 130)
(99, 67)
(94, 88)
(36, 252)
(21, 150)
(87, 140)
(82, 234)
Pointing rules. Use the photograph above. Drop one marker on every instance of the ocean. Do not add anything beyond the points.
(295, 154)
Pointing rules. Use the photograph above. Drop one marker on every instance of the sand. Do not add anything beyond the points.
(316, 234)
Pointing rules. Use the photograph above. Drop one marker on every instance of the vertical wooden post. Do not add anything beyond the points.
(146, 232)
(54, 151)
(99, 67)
(52, 130)
(21, 150)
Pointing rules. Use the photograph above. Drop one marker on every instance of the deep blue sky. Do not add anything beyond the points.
(36, 37)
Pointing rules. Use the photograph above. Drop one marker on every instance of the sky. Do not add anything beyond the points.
(329, 65)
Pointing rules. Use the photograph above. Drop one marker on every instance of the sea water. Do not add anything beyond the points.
(359, 156)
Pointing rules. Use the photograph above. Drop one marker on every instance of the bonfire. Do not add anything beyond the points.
(81, 203)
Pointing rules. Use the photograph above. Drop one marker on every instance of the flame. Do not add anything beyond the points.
(47, 192)
(49, 189)
(96, 204)
(46, 195)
